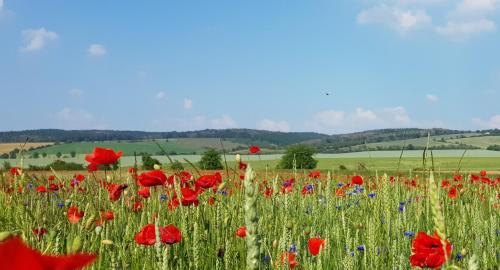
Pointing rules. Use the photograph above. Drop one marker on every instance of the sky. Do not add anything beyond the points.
(190, 65)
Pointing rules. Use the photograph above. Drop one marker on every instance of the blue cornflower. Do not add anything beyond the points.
(402, 209)
(372, 195)
(352, 254)
(459, 256)
(29, 186)
(361, 248)
(163, 197)
(340, 185)
(60, 205)
(266, 259)
(402, 203)
(338, 207)
(293, 248)
(309, 187)
(409, 234)
(223, 192)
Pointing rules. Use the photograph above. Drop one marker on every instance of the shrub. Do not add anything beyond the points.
(211, 160)
(176, 166)
(303, 156)
(148, 162)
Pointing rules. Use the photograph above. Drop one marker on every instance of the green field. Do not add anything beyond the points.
(446, 160)
(179, 146)
(482, 141)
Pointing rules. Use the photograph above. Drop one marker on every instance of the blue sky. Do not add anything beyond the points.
(187, 65)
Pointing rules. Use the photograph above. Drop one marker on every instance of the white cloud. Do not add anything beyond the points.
(1, 4)
(76, 93)
(360, 119)
(365, 115)
(475, 8)
(161, 95)
(401, 20)
(188, 104)
(493, 122)
(432, 98)
(223, 122)
(397, 114)
(463, 29)
(36, 38)
(69, 118)
(97, 50)
(271, 125)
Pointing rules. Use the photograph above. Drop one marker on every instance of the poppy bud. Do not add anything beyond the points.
(157, 167)
(226, 220)
(238, 158)
(4, 235)
(98, 229)
(221, 186)
(107, 242)
(275, 243)
(463, 252)
(77, 245)
(89, 222)
(289, 225)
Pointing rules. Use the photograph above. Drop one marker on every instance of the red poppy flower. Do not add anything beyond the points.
(15, 171)
(241, 232)
(457, 178)
(137, 206)
(498, 195)
(54, 187)
(184, 176)
(14, 254)
(103, 156)
(144, 192)
(189, 197)
(168, 235)
(132, 170)
(315, 245)
(41, 189)
(290, 259)
(152, 178)
(483, 173)
(427, 251)
(357, 180)
(108, 215)
(51, 178)
(74, 215)
(254, 149)
(208, 181)
(243, 166)
(92, 167)
(340, 192)
(445, 184)
(40, 231)
(115, 191)
(80, 177)
(315, 174)
(452, 193)
(268, 192)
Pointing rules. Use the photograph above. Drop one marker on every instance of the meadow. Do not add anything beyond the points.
(260, 218)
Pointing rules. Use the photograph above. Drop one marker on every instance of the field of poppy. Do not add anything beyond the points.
(240, 218)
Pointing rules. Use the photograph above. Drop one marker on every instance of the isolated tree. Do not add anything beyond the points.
(73, 154)
(148, 162)
(211, 160)
(176, 166)
(58, 154)
(36, 155)
(303, 156)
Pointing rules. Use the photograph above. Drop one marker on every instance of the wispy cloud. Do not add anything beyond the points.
(271, 125)
(396, 18)
(36, 39)
(431, 98)
(97, 50)
(188, 104)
